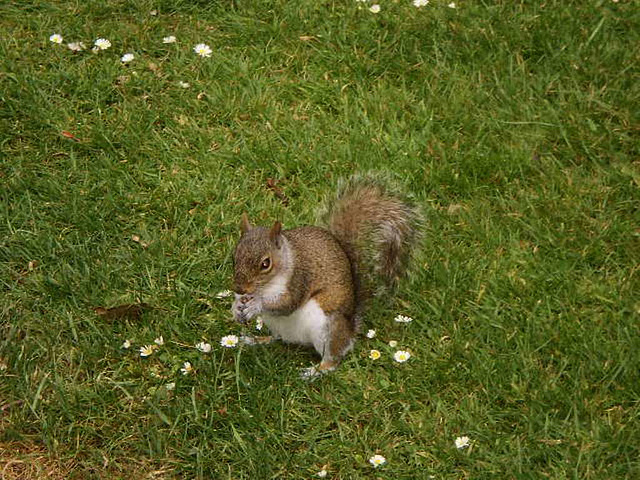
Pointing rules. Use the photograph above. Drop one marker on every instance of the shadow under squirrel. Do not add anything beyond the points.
(310, 284)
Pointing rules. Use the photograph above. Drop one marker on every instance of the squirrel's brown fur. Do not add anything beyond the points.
(309, 284)
(377, 228)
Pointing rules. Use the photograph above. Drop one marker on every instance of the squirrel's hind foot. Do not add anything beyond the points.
(313, 373)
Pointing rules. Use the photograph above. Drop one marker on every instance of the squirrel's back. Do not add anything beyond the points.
(378, 227)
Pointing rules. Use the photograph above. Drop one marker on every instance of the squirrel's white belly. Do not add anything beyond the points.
(308, 325)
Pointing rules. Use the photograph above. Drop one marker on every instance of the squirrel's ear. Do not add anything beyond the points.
(275, 234)
(245, 226)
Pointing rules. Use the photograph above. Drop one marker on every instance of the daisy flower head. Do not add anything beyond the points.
(127, 57)
(170, 386)
(202, 49)
(462, 442)
(186, 85)
(374, 354)
(452, 5)
(229, 341)
(322, 473)
(102, 43)
(76, 46)
(393, 343)
(401, 356)
(203, 347)
(377, 460)
(259, 323)
(186, 368)
(159, 341)
(126, 344)
(420, 3)
(56, 38)
(371, 333)
(403, 319)
(374, 8)
(147, 350)
(169, 39)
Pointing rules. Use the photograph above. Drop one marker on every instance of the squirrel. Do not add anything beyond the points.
(310, 284)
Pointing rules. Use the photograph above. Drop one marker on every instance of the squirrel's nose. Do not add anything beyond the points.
(242, 289)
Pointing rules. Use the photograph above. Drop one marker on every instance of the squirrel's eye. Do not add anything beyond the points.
(266, 263)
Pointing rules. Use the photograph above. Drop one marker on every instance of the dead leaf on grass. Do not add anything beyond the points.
(128, 311)
(136, 238)
(272, 185)
(9, 405)
(70, 136)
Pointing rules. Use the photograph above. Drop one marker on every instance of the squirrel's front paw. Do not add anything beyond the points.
(245, 307)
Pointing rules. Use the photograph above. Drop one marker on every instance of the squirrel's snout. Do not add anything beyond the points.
(243, 289)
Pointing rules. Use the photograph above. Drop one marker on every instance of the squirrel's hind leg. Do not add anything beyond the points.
(340, 340)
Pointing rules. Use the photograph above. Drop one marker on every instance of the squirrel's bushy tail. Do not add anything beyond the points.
(378, 227)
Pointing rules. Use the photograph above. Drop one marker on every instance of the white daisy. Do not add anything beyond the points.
(462, 442)
(159, 341)
(229, 341)
(223, 293)
(401, 356)
(126, 344)
(374, 354)
(76, 46)
(322, 473)
(420, 3)
(169, 39)
(203, 347)
(259, 323)
(202, 49)
(374, 8)
(377, 460)
(170, 386)
(452, 5)
(147, 350)
(56, 38)
(127, 57)
(102, 43)
(186, 85)
(393, 343)
(371, 333)
(403, 319)
(186, 368)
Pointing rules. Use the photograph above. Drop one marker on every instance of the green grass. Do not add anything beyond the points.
(514, 124)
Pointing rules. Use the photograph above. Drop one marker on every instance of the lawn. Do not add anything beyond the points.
(515, 126)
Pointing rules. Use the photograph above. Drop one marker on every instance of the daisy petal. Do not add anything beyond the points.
(229, 341)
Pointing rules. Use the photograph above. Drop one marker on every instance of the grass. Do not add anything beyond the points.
(514, 124)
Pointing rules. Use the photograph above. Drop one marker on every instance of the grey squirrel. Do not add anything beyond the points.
(310, 284)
